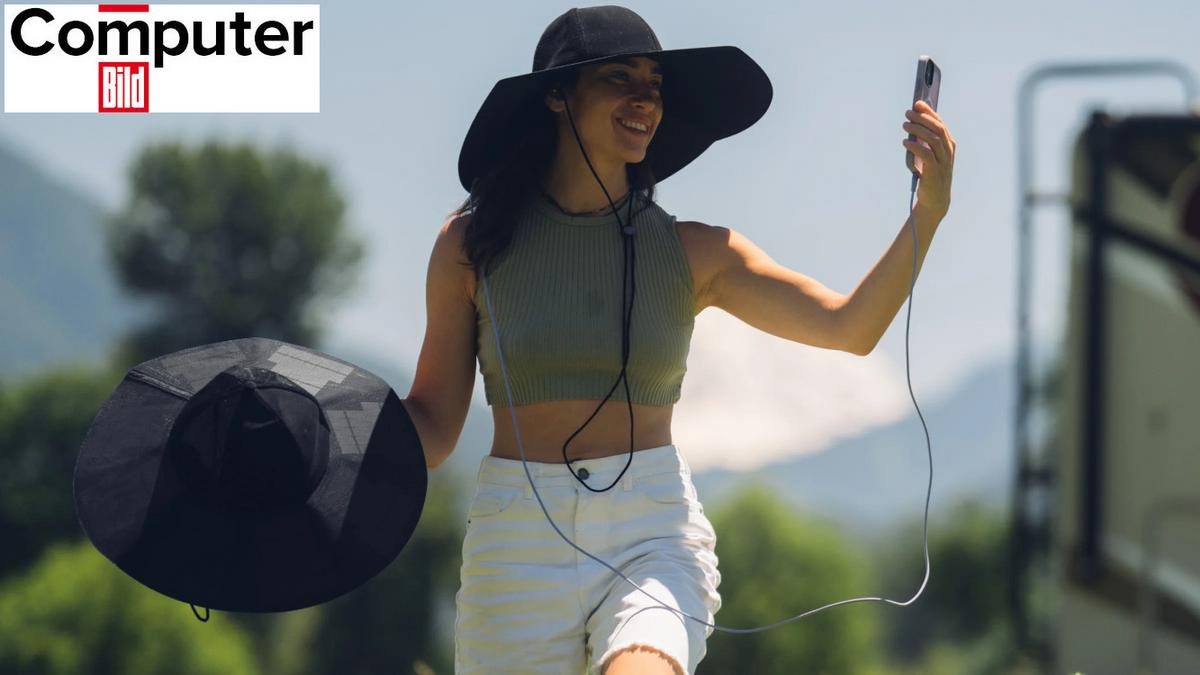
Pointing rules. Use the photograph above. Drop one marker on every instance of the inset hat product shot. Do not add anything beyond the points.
(250, 475)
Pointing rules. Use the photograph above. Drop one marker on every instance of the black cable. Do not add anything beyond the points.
(630, 254)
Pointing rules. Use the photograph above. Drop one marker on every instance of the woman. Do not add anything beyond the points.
(561, 164)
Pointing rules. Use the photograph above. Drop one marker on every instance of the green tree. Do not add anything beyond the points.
(964, 600)
(77, 612)
(775, 564)
(231, 243)
(387, 624)
(43, 420)
(390, 623)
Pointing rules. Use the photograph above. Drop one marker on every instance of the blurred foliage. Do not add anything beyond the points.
(967, 589)
(775, 564)
(961, 623)
(390, 620)
(993, 653)
(43, 420)
(232, 242)
(76, 612)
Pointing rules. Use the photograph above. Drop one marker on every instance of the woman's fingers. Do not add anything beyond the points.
(923, 154)
(930, 119)
(925, 124)
(919, 150)
(923, 133)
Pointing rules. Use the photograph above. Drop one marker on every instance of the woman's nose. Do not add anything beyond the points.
(646, 95)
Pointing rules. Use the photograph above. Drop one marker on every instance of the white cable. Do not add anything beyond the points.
(929, 490)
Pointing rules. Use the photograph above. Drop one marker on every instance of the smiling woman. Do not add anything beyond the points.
(610, 98)
(561, 241)
(537, 152)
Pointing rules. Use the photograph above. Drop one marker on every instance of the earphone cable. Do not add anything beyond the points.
(625, 356)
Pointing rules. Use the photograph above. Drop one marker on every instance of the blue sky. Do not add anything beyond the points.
(819, 182)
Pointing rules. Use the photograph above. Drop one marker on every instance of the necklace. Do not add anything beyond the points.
(593, 212)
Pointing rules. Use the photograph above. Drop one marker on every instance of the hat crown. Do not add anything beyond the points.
(587, 33)
(250, 439)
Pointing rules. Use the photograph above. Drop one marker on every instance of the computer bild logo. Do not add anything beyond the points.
(203, 58)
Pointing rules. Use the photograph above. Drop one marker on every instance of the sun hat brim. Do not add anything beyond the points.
(709, 93)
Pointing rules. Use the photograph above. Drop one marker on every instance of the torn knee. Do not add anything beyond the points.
(644, 648)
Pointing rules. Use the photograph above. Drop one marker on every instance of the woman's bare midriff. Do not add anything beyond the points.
(546, 425)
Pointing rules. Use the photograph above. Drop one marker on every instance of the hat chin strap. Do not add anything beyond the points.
(628, 230)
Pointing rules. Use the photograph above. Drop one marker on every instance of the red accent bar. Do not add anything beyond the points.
(124, 8)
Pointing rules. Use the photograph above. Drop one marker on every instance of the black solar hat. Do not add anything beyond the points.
(250, 475)
(709, 93)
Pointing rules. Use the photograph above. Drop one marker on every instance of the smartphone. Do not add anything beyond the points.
(929, 81)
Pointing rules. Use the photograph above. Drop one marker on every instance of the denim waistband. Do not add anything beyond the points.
(600, 471)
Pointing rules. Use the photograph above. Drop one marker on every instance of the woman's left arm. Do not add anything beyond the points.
(869, 309)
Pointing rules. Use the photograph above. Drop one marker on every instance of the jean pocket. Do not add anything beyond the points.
(492, 499)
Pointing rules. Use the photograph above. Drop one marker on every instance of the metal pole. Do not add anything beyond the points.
(1028, 198)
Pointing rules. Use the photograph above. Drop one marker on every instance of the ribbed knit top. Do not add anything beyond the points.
(556, 290)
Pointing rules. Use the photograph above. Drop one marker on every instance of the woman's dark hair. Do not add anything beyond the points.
(498, 195)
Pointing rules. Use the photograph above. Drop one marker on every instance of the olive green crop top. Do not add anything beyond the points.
(556, 290)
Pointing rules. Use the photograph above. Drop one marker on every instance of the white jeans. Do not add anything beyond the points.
(530, 603)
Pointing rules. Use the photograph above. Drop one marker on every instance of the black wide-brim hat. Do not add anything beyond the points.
(708, 93)
(250, 475)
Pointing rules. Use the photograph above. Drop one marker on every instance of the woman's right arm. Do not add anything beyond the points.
(445, 379)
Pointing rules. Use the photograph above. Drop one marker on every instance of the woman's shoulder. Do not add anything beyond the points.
(455, 230)
(702, 245)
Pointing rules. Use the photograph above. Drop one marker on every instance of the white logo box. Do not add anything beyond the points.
(188, 82)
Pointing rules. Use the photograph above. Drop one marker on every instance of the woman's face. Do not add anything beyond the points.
(609, 96)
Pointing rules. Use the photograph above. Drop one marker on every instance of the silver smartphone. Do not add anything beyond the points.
(929, 81)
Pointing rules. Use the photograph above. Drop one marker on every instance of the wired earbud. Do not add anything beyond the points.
(628, 230)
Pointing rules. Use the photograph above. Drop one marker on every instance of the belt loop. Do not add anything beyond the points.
(628, 482)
